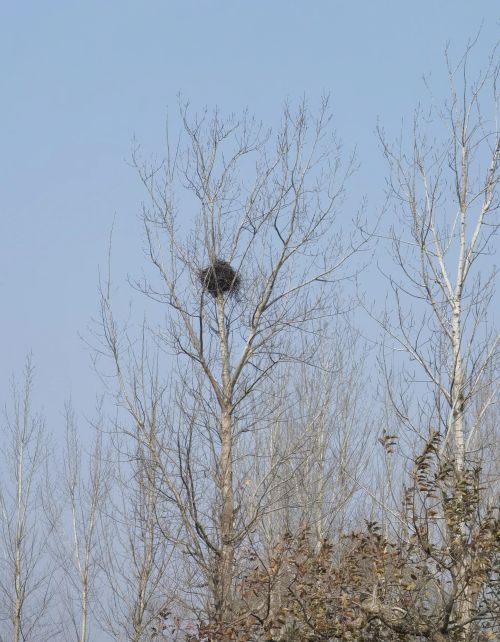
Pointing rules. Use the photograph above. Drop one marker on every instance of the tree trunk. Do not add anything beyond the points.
(456, 392)
(464, 606)
(225, 572)
(223, 597)
(18, 579)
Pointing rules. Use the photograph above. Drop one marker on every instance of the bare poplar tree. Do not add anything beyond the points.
(448, 200)
(320, 439)
(248, 284)
(26, 571)
(137, 561)
(86, 483)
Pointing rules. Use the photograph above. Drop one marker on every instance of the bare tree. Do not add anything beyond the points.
(137, 562)
(448, 200)
(26, 571)
(249, 289)
(78, 550)
(320, 440)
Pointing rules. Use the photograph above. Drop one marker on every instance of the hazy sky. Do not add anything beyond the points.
(80, 79)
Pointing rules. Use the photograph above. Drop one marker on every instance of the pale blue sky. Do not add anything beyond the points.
(80, 79)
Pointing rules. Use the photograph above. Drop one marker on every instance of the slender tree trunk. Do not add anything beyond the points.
(464, 605)
(83, 623)
(456, 392)
(18, 580)
(226, 567)
(147, 564)
(224, 598)
(18, 606)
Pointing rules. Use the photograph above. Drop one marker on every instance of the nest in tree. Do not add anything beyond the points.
(219, 278)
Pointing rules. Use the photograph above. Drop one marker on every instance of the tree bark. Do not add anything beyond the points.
(226, 566)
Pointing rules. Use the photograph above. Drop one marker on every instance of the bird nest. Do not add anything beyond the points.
(219, 278)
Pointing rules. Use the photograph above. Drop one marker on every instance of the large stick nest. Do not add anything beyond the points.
(219, 278)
